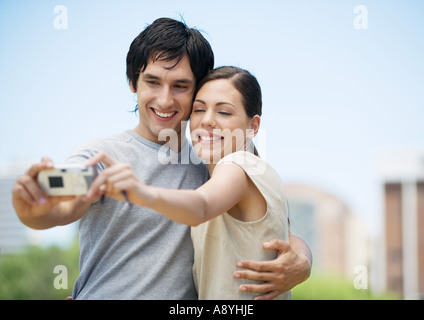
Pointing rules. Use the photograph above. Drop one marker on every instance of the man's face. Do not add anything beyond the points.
(164, 96)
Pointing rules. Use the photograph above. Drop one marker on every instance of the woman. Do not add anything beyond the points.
(242, 205)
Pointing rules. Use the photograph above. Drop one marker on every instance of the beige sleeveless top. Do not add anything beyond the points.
(224, 240)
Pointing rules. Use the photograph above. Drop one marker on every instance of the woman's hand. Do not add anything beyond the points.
(117, 181)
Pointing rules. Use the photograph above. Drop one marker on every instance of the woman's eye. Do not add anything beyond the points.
(225, 113)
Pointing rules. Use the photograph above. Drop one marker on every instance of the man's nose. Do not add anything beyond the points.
(165, 99)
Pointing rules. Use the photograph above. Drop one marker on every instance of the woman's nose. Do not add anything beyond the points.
(208, 120)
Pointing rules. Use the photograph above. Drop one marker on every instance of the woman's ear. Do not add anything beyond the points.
(255, 123)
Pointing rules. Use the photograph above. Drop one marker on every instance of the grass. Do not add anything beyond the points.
(333, 287)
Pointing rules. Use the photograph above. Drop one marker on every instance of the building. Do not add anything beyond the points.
(337, 238)
(402, 178)
(13, 234)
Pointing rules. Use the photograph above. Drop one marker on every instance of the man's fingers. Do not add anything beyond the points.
(268, 284)
(276, 244)
(26, 186)
(36, 168)
(260, 266)
(273, 275)
(267, 296)
(29, 190)
(255, 275)
(19, 191)
(257, 288)
(264, 266)
(47, 161)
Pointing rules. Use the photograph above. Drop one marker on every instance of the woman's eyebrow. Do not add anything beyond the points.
(224, 102)
(217, 104)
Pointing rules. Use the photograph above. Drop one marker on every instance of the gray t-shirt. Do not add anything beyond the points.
(132, 252)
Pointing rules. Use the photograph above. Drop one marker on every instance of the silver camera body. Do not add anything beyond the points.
(67, 180)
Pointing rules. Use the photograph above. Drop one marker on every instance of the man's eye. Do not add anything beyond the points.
(180, 86)
(152, 83)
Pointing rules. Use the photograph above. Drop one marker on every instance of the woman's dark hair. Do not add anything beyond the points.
(244, 82)
(165, 40)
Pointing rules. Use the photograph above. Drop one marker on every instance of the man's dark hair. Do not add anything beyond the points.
(165, 40)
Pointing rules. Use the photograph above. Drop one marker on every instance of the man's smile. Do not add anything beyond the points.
(163, 116)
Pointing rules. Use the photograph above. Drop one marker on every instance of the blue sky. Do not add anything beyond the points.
(334, 95)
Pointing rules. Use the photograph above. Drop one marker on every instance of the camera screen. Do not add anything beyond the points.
(56, 182)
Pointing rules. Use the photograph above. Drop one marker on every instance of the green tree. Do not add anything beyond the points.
(29, 275)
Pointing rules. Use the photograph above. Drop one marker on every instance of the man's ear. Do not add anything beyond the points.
(133, 90)
(254, 126)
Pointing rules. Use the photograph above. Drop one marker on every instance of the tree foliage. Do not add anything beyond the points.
(29, 275)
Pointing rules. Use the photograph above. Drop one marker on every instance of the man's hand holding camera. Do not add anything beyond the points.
(44, 186)
(29, 199)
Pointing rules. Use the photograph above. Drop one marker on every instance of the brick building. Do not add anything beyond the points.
(402, 177)
(337, 238)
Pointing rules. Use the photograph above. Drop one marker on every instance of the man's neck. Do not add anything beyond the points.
(171, 138)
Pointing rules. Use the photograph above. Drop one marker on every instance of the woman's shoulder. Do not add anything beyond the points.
(252, 164)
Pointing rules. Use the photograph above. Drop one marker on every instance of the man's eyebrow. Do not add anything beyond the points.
(186, 81)
(150, 76)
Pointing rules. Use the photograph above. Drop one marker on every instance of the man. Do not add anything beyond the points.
(130, 252)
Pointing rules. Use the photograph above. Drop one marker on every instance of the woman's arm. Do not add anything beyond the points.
(224, 189)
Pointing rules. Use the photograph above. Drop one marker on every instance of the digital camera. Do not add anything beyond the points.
(67, 180)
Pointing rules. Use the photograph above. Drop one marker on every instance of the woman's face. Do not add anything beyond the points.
(219, 124)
